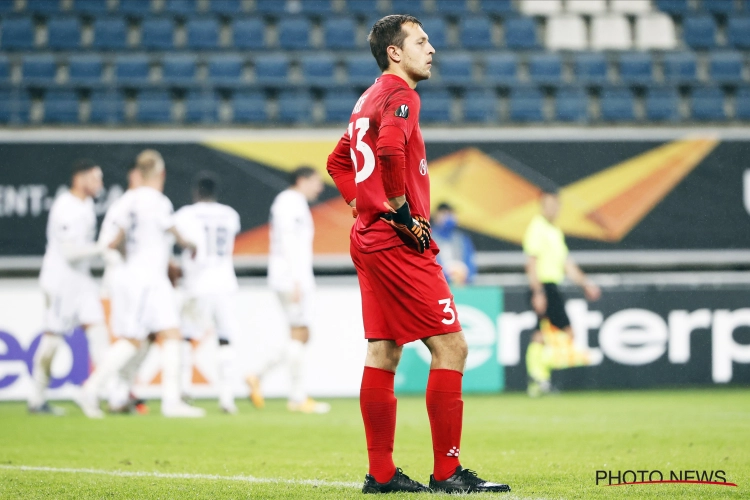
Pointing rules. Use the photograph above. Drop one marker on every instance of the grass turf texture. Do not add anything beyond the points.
(545, 448)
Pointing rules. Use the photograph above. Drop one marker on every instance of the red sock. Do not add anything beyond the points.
(378, 405)
(445, 409)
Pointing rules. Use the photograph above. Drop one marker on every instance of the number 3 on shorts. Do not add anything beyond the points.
(448, 310)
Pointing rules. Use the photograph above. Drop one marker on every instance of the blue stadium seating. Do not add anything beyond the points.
(451, 7)
(15, 106)
(742, 104)
(110, 33)
(61, 106)
(456, 69)
(319, 69)
(294, 33)
(719, 7)
(248, 33)
(338, 106)
(132, 69)
(225, 7)
(435, 106)
(7, 7)
(700, 31)
(707, 104)
(340, 33)
(17, 33)
(590, 68)
(154, 106)
(497, 7)
(272, 69)
(437, 29)
(475, 33)
(316, 7)
(202, 33)
(617, 105)
(725, 67)
(64, 33)
(674, 7)
(545, 69)
(363, 7)
(501, 68)
(179, 69)
(680, 68)
(572, 105)
(181, 7)
(526, 105)
(85, 69)
(43, 7)
(91, 7)
(362, 70)
(202, 107)
(158, 33)
(225, 69)
(270, 7)
(135, 8)
(39, 69)
(636, 68)
(4, 69)
(295, 107)
(249, 107)
(520, 34)
(107, 107)
(480, 105)
(662, 104)
(738, 32)
(413, 7)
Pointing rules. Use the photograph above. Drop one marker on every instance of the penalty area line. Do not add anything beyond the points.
(175, 475)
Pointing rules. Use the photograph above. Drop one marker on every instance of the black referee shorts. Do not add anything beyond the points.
(555, 307)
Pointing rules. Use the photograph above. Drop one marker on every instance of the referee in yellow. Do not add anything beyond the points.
(547, 265)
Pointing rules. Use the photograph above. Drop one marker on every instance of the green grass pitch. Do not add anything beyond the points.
(546, 448)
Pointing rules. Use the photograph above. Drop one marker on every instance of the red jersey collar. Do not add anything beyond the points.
(396, 79)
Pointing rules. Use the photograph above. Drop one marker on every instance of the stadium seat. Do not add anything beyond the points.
(157, 33)
(590, 68)
(707, 104)
(317, 8)
(341, 33)
(294, 33)
(611, 32)
(457, 8)
(587, 7)
(110, 33)
(7, 8)
(617, 105)
(662, 104)
(412, 7)
(64, 33)
(520, 34)
(61, 106)
(15, 106)
(272, 69)
(106, 107)
(475, 32)
(456, 69)
(501, 69)
(680, 68)
(699, 32)
(361, 70)
(225, 69)
(526, 105)
(673, 7)
(86, 69)
(742, 104)
(202, 107)
(16, 33)
(248, 33)
(179, 69)
(39, 69)
(541, 7)
(362, 7)
(655, 31)
(181, 8)
(719, 7)
(566, 32)
(572, 105)
(91, 7)
(43, 7)
(249, 107)
(480, 105)
(319, 70)
(437, 29)
(154, 106)
(631, 7)
(545, 69)
(295, 107)
(273, 8)
(435, 106)
(132, 69)
(636, 68)
(738, 32)
(135, 8)
(226, 8)
(497, 8)
(725, 67)
(4, 69)
(202, 33)
(338, 106)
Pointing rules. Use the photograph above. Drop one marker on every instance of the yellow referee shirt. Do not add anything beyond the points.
(546, 242)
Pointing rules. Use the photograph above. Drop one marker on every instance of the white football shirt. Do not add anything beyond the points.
(212, 227)
(290, 261)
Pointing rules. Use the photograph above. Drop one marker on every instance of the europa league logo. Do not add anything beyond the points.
(423, 167)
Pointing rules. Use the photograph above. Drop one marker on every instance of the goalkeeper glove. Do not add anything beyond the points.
(414, 231)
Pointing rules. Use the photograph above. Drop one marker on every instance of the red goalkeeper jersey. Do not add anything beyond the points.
(389, 105)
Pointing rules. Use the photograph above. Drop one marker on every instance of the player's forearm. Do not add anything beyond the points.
(76, 252)
(575, 273)
(397, 202)
(534, 284)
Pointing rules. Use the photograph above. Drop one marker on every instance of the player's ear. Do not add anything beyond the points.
(394, 53)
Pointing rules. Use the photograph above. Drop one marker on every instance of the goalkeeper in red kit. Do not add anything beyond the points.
(380, 168)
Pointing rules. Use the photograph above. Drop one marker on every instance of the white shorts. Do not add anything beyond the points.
(209, 313)
(300, 313)
(142, 307)
(75, 303)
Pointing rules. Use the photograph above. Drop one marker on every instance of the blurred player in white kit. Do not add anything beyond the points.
(144, 301)
(290, 275)
(208, 277)
(71, 295)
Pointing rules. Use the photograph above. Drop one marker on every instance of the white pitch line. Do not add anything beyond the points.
(168, 475)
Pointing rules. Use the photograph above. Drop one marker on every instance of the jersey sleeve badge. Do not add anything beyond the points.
(403, 111)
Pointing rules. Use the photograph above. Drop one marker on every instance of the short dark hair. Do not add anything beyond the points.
(550, 190)
(386, 32)
(82, 165)
(303, 172)
(445, 206)
(206, 185)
